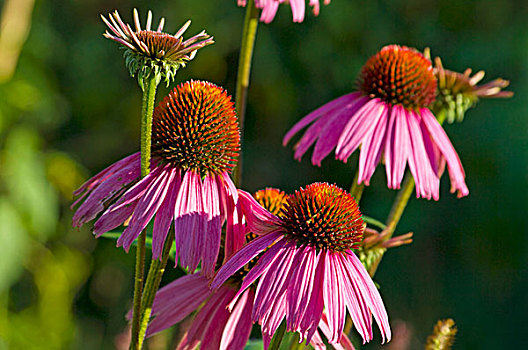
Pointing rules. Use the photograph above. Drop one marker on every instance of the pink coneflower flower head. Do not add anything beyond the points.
(269, 8)
(308, 266)
(195, 144)
(458, 92)
(151, 51)
(220, 323)
(388, 117)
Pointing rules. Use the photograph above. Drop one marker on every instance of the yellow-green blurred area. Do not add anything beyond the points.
(68, 109)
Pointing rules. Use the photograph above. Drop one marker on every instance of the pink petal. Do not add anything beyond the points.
(259, 220)
(456, 171)
(189, 221)
(331, 133)
(213, 228)
(326, 108)
(177, 300)
(263, 264)
(372, 145)
(314, 311)
(298, 9)
(333, 298)
(145, 209)
(301, 287)
(397, 147)
(356, 306)
(272, 287)
(165, 214)
(427, 182)
(238, 327)
(311, 134)
(243, 256)
(358, 126)
(369, 292)
(112, 184)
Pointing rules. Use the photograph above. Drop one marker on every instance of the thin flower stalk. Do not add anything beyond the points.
(249, 34)
(147, 110)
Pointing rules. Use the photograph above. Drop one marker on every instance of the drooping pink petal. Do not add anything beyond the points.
(212, 336)
(272, 287)
(238, 327)
(189, 221)
(213, 226)
(326, 108)
(456, 171)
(331, 133)
(269, 9)
(104, 174)
(106, 189)
(311, 135)
(372, 146)
(231, 210)
(145, 209)
(427, 182)
(121, 210)
(301, 287)
(298, 8)
(358, 126)
(357, 308)
(259, 220)
(313, 312)
(369, 292)
(333, 298)
(263, 264)
(397, 147)
(243, 256)
(213, 308)
(177, 300)
(165, 215)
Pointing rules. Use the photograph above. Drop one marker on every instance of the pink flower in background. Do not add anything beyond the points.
(269, 8)
(388, 117)
(308, 266)
(195, 144)
(221, 323)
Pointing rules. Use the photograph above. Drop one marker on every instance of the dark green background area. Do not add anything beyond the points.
(71, 109)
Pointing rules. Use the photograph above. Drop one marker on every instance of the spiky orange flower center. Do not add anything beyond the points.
(399, 75)
(161, 45)
(323, 216)
(195, 128)
(272, 199)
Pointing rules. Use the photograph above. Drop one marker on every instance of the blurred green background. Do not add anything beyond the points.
(68, 109)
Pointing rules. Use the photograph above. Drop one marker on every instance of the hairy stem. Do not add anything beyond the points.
(249, 33)
(156, 270)
(147, 109)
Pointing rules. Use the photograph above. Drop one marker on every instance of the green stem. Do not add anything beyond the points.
(147, 109)
(156, 270)
(249, 33)
(357, 190)
(396, 212)
(277, 337)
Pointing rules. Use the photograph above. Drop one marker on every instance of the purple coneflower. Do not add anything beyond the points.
(269, 8)
(220, 323)
(309, 266)
(195, 144)
(153, 51)
(389, 116)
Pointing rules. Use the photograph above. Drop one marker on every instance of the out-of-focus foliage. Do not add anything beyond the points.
(70, 109)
